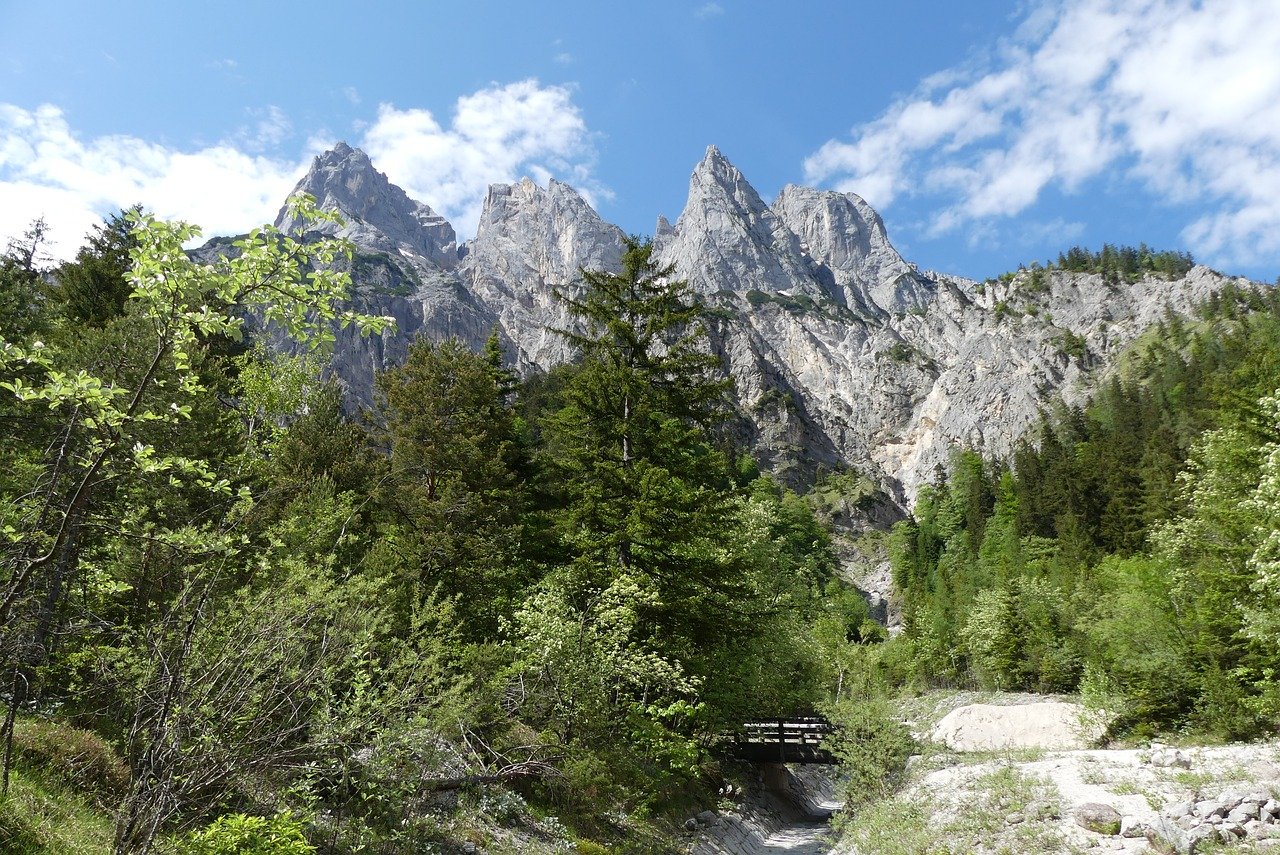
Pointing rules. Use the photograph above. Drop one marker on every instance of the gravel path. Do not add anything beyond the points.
(804, 839)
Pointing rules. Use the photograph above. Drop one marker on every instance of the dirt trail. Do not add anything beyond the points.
(806, 838)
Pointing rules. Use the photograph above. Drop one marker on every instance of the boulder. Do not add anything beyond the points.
(1098, 818)
(1242, 814)
(1210, 807)
(987, 727)
(1165, 836)
(1130, 826)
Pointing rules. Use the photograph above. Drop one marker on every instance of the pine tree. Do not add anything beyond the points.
(453, 489)
(635, 440)
(648, 589)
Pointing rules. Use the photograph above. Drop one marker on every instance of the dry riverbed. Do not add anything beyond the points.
(1031, 787)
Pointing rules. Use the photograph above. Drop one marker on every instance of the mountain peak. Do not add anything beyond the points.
(844, 233)
(727, 238)
(377, 212)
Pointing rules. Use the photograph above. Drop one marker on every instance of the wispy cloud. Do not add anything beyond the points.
(563, 58)
(1180, 96)
(270, 128)
(708, 10)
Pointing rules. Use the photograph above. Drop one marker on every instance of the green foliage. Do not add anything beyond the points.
(238, 834)
(1132, 545)
(453, 485)
(76, 758)
(1126, 262)
(95, 286)
(798, 304)
(873, 748)
(271, 604)
(42, 816)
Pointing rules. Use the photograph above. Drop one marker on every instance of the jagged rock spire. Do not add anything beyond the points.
(378, 213)
(845, 234)
(727, 238)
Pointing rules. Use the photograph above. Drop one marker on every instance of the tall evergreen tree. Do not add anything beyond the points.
(646, 484)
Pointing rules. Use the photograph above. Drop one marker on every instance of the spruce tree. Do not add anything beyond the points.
(646, 483)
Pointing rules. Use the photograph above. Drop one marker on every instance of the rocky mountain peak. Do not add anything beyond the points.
(379, 215)
(842, 353)
(554, 227)
(533, 242)
(843, 233)
(728, 239)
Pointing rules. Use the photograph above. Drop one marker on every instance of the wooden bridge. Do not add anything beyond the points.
(782, 740)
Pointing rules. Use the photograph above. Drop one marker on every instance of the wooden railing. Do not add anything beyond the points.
(782, 740)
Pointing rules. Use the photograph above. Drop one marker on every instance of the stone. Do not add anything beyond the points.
(1186, 822)
(1173, 810)
(1242, 814)
(1257, 797)
(1255, 828)
(1169, 758)
(1232, 829)
(1098, 818)
(1271, 807)
(1130, 826)
(1210, 807)
(707, 817)
(1165, 836)
(1200, 834)
(985, 727)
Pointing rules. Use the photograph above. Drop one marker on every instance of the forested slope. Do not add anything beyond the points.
(1128, 549)
(548, 596)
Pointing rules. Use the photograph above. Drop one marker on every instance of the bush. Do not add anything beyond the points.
(237, 834)
(872, 747)
(78, 758)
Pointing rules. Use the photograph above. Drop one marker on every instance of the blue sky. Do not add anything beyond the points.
(987, 133)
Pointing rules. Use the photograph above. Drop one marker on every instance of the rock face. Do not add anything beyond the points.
(530, 244)
(1051, 725)
(843, 353)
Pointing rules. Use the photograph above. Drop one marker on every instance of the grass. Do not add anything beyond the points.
(975, 817)
(42, 816)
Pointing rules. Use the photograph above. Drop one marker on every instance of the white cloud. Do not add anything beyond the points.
(47, 171)
(271, 128)
(497, 135)
(1180, 95)
(708, 10)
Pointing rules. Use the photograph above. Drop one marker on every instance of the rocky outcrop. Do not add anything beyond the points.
(531, 244)
(379, 216)
(843, 353)
(844, 234)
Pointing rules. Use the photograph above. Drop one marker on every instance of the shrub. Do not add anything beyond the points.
(238, 834)
(78, 758)
(872, 747)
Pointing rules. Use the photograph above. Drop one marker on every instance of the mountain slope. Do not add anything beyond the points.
(843, 353)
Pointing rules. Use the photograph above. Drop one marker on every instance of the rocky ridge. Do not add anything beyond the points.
(843, 353)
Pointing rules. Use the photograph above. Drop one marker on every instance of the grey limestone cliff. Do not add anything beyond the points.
(843, 353)
(531, 244)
